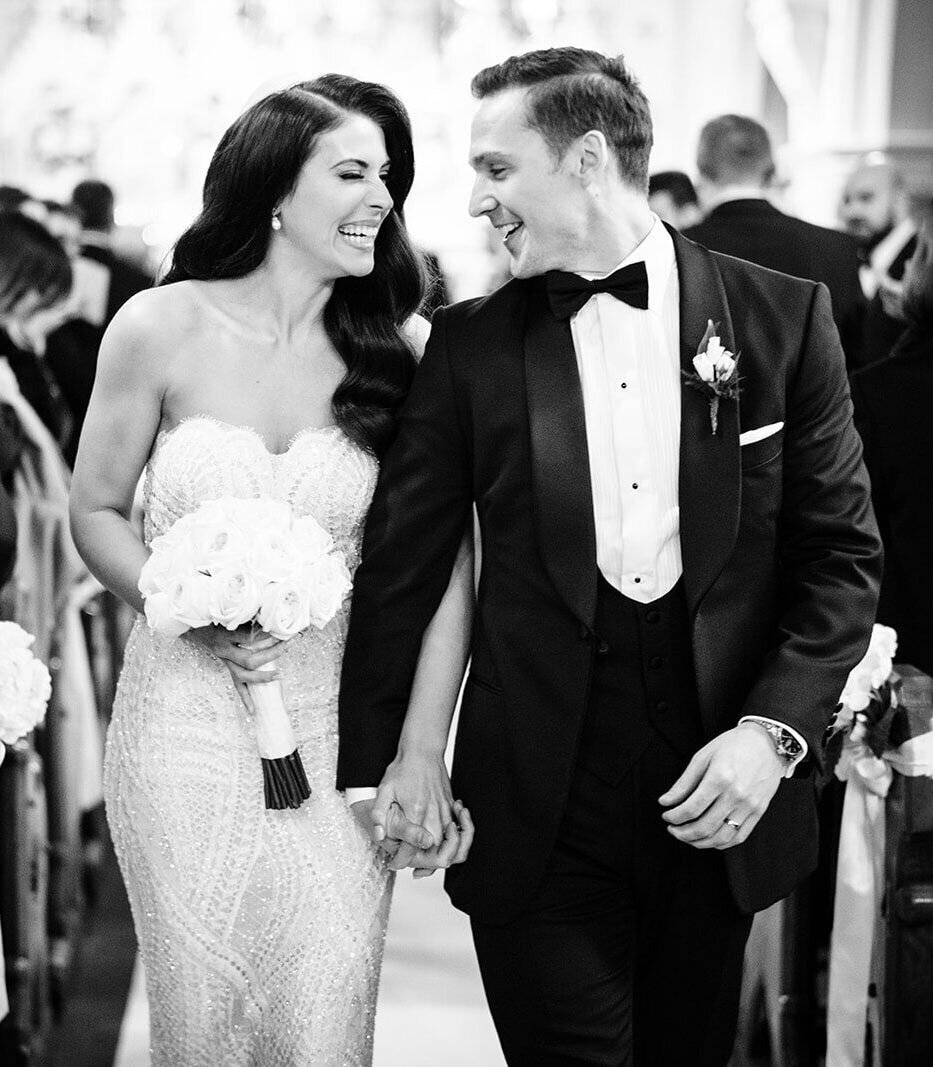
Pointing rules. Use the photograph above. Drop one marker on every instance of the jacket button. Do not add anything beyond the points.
(655, 662)
(602, 648)
(653, 616)
(662, 705)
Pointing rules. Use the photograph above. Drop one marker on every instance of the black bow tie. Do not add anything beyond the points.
(567, 293)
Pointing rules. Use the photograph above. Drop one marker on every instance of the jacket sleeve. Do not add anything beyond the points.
(829, 550)
(420, 509)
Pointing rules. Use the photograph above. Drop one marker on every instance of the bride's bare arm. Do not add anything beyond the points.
(122, 421)
(119, 429)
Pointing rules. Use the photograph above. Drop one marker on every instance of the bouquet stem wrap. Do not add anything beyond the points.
(283, 774)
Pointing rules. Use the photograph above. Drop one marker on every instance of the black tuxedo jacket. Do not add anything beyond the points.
(780, 553)
(126, 279)
(881, 332)
(893, 400)
(755, 230)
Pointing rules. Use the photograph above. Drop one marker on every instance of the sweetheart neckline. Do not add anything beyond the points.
(164, 435)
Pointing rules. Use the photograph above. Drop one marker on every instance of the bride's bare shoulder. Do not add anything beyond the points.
(156, 320)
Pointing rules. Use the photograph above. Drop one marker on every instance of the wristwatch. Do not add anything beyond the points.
(785, 744)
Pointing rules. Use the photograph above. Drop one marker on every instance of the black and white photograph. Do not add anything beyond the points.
(466, 507)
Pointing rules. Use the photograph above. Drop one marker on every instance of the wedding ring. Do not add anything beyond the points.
(731, 822)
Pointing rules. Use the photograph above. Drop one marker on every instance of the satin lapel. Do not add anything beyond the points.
(560, 466)
(710, 465)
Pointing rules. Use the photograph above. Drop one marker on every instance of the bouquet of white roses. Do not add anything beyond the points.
(235, 561)
(25, 685)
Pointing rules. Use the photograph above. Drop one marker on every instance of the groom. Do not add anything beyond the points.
(667, 612)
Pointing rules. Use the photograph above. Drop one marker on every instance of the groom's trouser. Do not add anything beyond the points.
(631, 950)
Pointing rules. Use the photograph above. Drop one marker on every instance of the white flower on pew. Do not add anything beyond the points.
(870, 739)
(25, 685)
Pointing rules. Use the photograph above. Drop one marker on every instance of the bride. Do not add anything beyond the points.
(273, 365)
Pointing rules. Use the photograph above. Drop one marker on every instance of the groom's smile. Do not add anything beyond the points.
(527, 194)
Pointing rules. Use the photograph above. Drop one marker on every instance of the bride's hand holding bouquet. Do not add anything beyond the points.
(242, 577)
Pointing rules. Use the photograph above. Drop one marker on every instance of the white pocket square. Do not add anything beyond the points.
(751, 436)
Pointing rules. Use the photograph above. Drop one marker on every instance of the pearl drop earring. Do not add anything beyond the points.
(276, 221)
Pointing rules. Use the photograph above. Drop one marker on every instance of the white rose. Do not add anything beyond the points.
(884, 639)
(25, 687)
(182, 605)
(312, 539)
(158, 608)
(705, 367)
(274, 556)
(285, 607)
(857, 692)
(328, 582)
(234, 597)
(721, 359)
(208, 538)
(12, 635)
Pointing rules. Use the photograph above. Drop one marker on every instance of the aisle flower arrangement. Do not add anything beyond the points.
(25, 685)
(238, 561)
(870, 739)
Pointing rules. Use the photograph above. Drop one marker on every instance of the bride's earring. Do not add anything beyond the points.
(276, 221)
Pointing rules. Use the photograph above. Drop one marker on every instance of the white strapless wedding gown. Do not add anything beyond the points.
(261, 931)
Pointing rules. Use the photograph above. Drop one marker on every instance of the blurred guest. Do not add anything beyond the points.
(672, 197)
(893, 400)
(34, 274)
(438, 292)
(736, 169)
(94, 202)
(35, 278)
(62, 221)
(12, 198)
(875, 209)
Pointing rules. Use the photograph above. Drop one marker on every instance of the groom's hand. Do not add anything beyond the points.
(392, 832)
(725, 790)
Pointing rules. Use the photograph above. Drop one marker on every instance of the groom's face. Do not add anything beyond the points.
(532, 199)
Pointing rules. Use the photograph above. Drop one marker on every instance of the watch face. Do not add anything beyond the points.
(789, 746)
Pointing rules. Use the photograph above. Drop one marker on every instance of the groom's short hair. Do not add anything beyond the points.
(573, 90)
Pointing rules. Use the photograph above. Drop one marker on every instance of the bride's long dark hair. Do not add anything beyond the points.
(256, 165)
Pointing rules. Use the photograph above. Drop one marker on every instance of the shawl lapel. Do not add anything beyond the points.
(560, 466)
(710, 465)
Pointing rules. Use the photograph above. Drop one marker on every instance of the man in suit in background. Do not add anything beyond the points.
(666, 612)
(672, 197)
(875, 209)
(104, 281)
(736, 175)
(94, 202)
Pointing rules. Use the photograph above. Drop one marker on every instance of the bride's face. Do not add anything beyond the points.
(340, 200)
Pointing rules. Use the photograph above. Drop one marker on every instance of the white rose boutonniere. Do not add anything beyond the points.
(715, 374)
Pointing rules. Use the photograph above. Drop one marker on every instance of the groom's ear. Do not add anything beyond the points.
(590, 154)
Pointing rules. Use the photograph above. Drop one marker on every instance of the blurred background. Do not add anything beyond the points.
(138, 92)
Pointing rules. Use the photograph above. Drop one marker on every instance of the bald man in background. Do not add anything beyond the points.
(875, 209)
(736, 172)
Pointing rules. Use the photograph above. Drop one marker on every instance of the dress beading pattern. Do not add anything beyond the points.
(261, 931)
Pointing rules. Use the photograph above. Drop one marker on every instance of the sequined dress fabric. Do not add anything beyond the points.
(261, 931)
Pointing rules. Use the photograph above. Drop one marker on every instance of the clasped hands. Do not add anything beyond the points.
(414, 818)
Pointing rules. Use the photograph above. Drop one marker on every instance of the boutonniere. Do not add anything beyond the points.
(716, 374)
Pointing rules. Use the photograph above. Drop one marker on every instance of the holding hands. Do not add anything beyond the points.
(414, 818)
